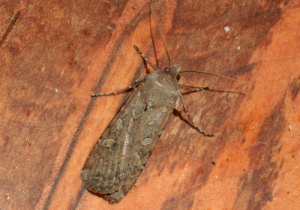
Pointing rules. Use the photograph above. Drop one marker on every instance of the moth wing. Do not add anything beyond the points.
(119, 156)
(144, 154)
(108, 165)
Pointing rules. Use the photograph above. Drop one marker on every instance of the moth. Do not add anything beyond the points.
(121, 153)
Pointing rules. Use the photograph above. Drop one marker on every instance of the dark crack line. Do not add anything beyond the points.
(10, 27)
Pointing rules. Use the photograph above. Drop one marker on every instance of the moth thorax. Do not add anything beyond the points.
(174, 70)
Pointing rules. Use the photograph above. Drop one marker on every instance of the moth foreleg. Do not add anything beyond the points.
(193, 89)
(119, 91)
(144, 57)
(185, 109)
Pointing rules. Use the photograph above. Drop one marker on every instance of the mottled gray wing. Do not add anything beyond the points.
(119, 156)
(105, 169)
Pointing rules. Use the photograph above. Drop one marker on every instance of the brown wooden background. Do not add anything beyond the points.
(55, 54)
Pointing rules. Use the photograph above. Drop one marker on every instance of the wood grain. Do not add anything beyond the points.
(56, 54)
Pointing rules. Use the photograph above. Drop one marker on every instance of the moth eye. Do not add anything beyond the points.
(178, 77)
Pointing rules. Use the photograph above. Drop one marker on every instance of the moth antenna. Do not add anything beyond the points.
(160, 33)
(216, 75)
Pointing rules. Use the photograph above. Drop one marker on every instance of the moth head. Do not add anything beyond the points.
(174, 70)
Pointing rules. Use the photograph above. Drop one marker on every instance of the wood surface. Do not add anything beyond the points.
(55, 54)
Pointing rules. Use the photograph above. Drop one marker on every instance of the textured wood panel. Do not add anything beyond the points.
(55, 54)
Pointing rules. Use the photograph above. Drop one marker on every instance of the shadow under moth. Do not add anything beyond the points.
(121, 153)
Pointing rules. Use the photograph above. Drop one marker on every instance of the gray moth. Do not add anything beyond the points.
(121, 153)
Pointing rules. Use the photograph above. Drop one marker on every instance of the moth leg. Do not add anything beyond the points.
(185, 109)
(144, 57)
(193, 89)
(119, 91)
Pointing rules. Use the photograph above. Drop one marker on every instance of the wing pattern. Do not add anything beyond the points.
(121, 153)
